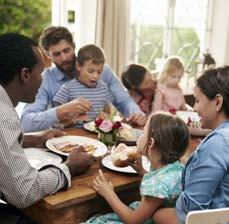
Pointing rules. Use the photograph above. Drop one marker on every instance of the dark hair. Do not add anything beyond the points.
(133, 76)
(215, 81)
(171, 136)
(90, 52)
(16, 53)
(53, 35)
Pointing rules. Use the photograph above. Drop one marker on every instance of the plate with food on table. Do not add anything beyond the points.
(122, 156)
(65, 144)
(192, 119)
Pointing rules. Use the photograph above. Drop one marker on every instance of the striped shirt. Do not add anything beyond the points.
(98, 96)
(20, 184)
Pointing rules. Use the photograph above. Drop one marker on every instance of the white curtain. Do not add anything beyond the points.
(113, 31)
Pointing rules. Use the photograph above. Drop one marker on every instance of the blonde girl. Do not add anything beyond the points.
(164, 140)
(169, 95)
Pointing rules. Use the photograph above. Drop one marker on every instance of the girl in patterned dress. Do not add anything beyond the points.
(164, 140)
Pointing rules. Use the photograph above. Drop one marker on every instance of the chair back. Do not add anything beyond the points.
(211, 216)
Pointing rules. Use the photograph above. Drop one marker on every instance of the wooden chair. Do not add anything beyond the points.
(211, 216)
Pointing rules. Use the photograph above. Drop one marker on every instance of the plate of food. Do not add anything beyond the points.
(65, 144)
(122, 156)
(128, 135)
(108, 163)
(40, 157)
(192, 119)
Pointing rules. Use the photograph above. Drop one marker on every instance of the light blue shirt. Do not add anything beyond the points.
(42, 114)
(206, 175)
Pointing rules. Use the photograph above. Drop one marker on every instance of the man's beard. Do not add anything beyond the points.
(70, 72)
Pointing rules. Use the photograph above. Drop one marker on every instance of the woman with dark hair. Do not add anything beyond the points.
(205, 182)
(141, 85)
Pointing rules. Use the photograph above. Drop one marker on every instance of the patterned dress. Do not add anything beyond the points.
(164, 183)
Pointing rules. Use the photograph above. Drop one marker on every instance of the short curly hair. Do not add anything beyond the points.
(16, 53)
(53, 35)
(171, 136)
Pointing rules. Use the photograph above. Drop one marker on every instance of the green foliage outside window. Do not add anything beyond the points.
(186, 45)
(28, 17)
(147, 45)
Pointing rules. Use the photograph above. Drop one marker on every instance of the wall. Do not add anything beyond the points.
(219, 42)
(84, 27)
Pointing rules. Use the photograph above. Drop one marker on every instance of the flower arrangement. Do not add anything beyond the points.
(107, 130)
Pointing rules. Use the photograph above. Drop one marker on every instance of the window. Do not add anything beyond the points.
(169, 27)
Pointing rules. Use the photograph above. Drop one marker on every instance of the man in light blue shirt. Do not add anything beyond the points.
(58, 45)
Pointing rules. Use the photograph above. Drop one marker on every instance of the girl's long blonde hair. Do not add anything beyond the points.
(172, 64)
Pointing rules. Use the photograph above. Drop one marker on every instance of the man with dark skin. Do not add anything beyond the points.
(21, 64)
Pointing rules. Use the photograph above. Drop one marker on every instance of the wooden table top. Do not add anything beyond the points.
(81, 201)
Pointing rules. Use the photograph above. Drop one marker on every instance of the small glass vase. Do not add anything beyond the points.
(109, 138)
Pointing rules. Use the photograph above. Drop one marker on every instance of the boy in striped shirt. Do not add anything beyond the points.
(89, 65)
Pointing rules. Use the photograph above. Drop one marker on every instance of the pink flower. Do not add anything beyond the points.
(117, 125)
(106, 126)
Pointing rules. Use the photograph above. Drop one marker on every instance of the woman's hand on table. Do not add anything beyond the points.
(102, 186)
(78, 162)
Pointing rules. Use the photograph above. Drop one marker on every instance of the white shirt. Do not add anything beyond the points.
(20, 184)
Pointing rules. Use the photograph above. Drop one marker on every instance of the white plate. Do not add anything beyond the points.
(136, 134)
(107, 162)
(184, 115)
(90, 126)
(101, 149)
(39, 157)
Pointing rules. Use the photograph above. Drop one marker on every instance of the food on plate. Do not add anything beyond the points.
(126, 134)
(90, 149)
(123, 155)
(191, 118)
(68, 147)
(193, 123)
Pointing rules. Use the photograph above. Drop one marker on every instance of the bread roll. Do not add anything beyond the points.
(123, 155)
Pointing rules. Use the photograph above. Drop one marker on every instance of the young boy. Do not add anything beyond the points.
(89, 66)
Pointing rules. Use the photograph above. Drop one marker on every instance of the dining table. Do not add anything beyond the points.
(81, 201)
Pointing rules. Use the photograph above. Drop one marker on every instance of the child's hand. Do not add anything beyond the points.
(102, 186)
(137, 165)
(144, 105)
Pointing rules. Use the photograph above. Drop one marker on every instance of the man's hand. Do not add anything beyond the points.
(38, 140)
(78, 162)
(137, 119)
(73, 111)
(51, 134)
